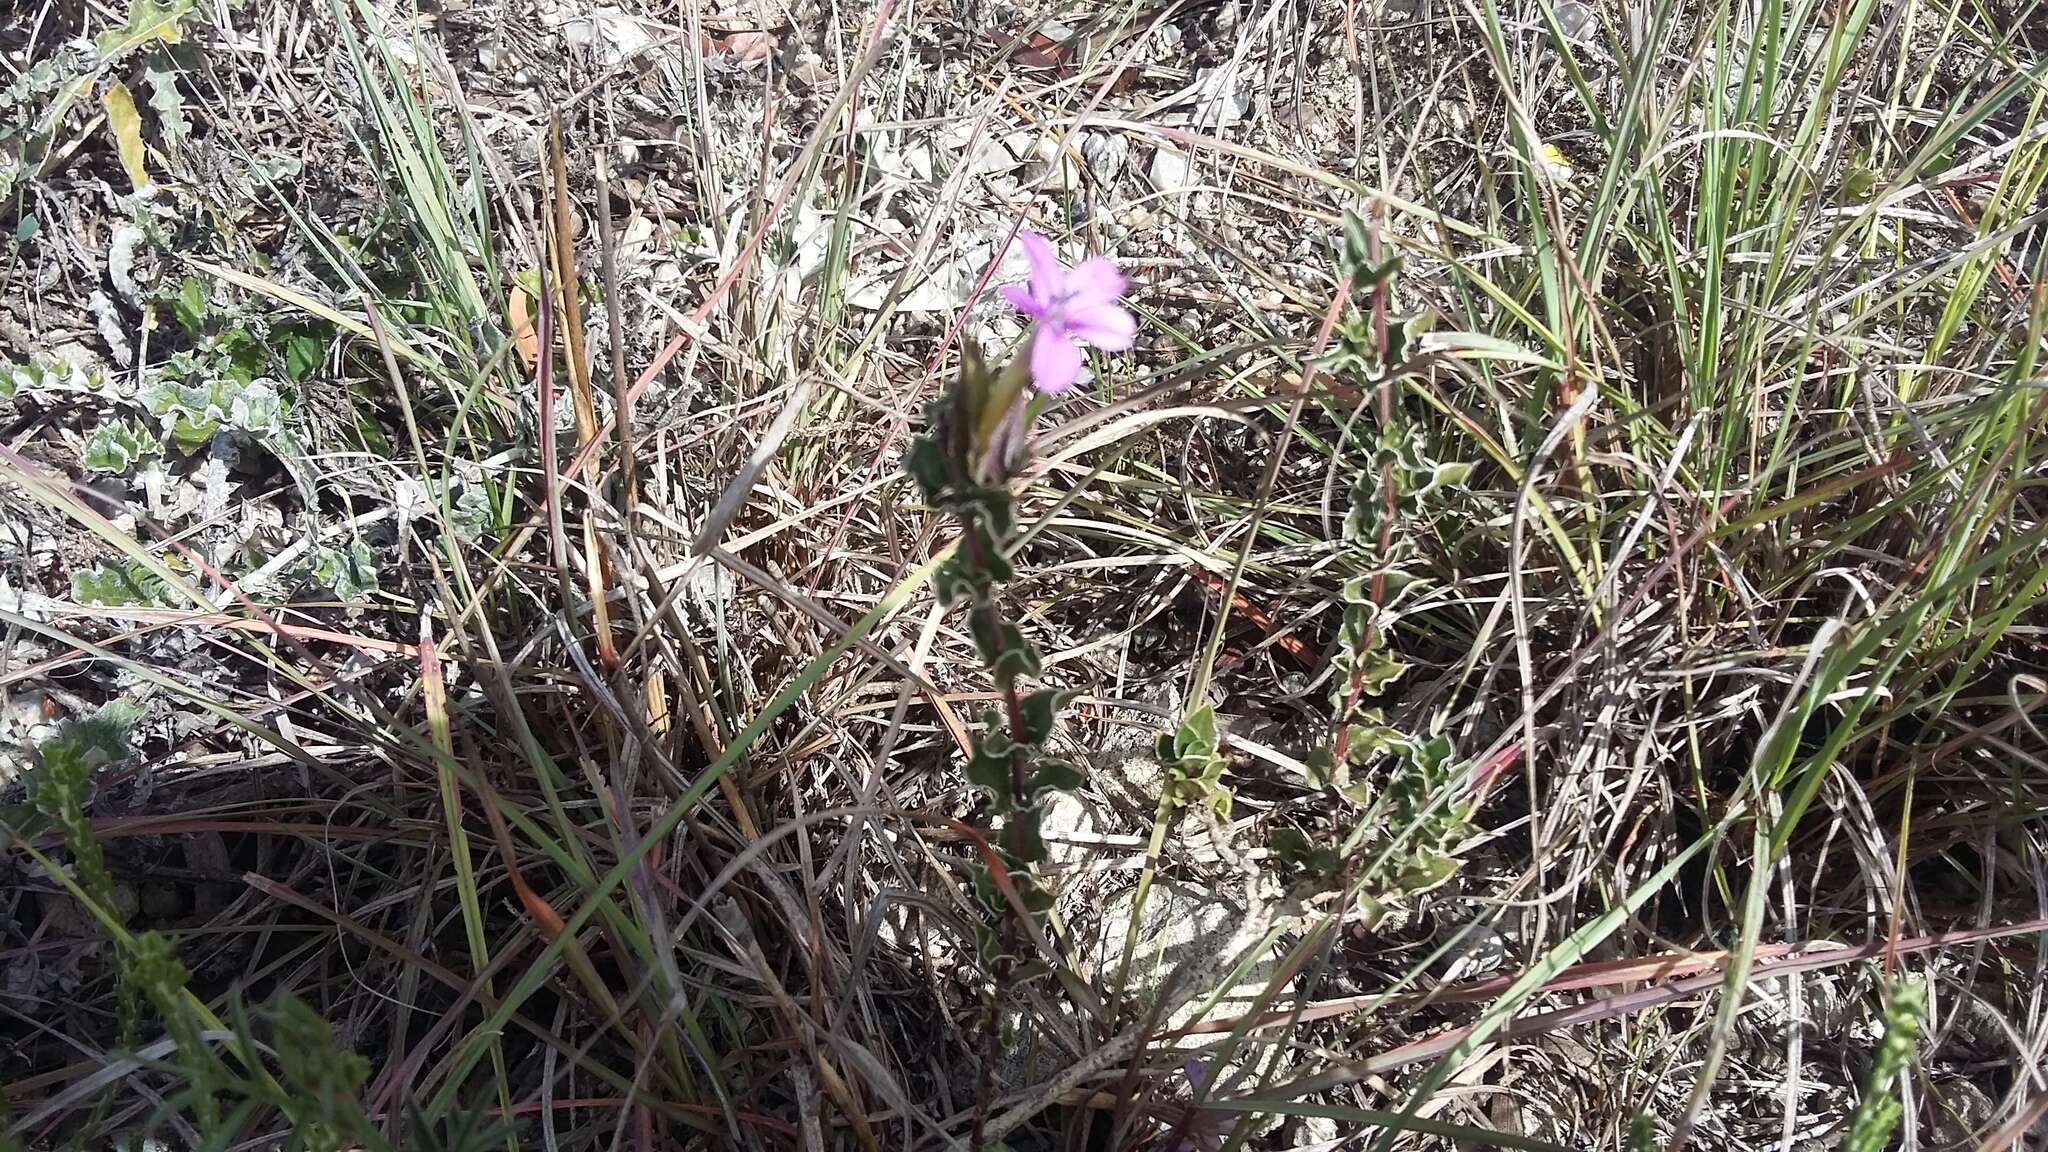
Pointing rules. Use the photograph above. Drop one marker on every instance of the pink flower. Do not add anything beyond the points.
(1072, 307)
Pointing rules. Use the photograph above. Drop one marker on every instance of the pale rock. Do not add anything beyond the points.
(1963, 1113)
(1578, 21)
(1477, 951)
(612, 33)
(1106, 153)
(1171, 169)
(1218, 101)
(1179, 924)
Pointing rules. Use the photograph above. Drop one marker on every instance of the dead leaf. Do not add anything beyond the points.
(520, 307)
(744, 47)
(126, 125)
(1038, 51)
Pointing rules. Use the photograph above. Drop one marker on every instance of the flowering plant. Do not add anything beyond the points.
(973, 448)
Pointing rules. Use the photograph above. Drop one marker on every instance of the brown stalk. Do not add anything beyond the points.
(562, 248)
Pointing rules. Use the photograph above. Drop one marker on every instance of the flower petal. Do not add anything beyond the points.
(1094, 281)
(1048, 279)
(1023, 301)
(1055, 361)
(1106, 326)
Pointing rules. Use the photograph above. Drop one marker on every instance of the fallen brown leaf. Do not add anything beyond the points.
(519, 307)
(749, 47)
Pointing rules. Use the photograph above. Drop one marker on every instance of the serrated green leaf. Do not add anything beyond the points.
(1003, 648)
(1379, 673)
(926, 464)
(117, 447)
(1472, 346)
(118, 586)
(1453, 475)
(62, 787)
(993, 562)
(1434, 753)
(191, 433)
(168, 103)
(1289, 845)
(99, 739)
(1017, 662)
(1022, 831)
(1220, 801)
(303, 355)
(21, 821)
(955, 582)
(257, 409)
(350, 572)
(1425, 870)
(149, 21)
(470, 514)
(995, 737)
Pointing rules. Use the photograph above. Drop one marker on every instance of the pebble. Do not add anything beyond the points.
(1106, 153)
(1171, 170)
(1579, 23)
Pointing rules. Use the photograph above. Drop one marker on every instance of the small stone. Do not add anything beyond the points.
(1963, 1113)
(1315, 1132)
(1106, 153)
(1179, 924)
(1579, 23)
(1477, 951)
(1171, 170)
(1220, 103)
